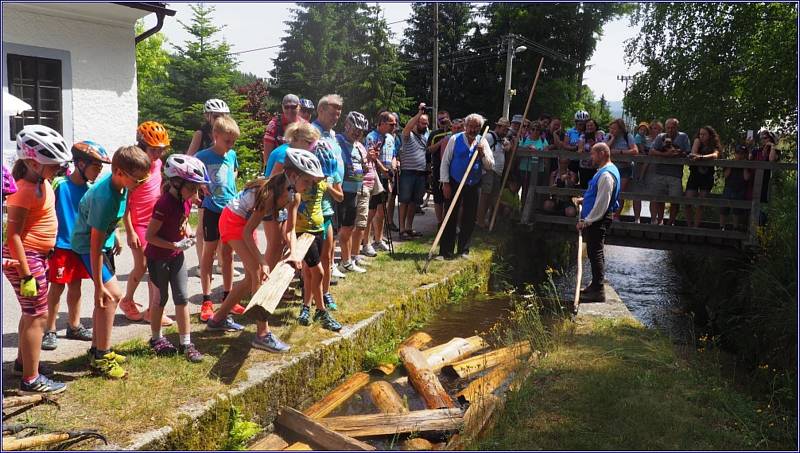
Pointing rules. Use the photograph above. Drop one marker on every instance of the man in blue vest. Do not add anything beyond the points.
(455, 160)
(599, 201)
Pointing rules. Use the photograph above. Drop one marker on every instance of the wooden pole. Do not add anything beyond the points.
(487, 384)
(515, 143)
(386, 398)
(34, 441)
(312, 432)
(450, 209)
(338, 395)
(579, 276)
(390, 424)
(417, 340)
(424, 380)
(452, 351)
(270, 293)
(468, 367)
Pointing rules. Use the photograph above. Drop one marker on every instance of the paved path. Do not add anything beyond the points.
(124, 329)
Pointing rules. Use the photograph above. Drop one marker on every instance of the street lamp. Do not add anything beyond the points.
(508, 91)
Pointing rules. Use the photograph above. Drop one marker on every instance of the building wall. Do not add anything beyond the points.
(100, 93)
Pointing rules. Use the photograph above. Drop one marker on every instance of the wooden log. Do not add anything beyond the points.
(417, 340)
(476, 418)
(271, 442)
(299, 446)
(338, 395)
(386, 398)
(40, 440)
(16, 401)
(313, 432)
(468, 367)
(452, 351)
(390, 424)
(417, 444)
(487, 384)
(270, 293)
(424, 380)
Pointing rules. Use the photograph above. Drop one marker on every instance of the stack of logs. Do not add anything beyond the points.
(443, 414)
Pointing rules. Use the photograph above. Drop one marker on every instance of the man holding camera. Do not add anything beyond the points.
(667, 179)
(412, 166)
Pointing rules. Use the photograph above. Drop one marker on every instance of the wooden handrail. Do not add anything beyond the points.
(711, 201)
(723, 163)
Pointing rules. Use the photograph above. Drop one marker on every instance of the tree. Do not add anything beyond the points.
(151, 72)
(733, 66)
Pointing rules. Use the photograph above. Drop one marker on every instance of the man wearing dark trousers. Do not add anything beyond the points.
(599, 201)
(455, 161)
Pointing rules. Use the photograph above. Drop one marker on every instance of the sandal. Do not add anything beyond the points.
(414, 233)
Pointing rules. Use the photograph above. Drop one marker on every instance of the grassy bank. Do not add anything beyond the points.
(614, 385)
(156, 388)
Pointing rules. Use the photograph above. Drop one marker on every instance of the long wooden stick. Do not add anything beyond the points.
(455, 198)
(576, 300)
(514, 145)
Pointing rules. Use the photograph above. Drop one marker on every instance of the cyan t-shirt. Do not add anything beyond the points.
(68, 200)
(573, 135)
(388, 149)
(530, 164)
(221, 172)
(354, 163)
(328, 140)
(277, 156)
(102, 208)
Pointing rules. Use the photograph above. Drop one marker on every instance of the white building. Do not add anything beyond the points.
(75, 63)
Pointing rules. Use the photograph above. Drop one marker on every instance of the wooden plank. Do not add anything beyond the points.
(390, 424)
(487, 384)
(338, 395)
(417, 340)
(467, 367)
(661, 229)
(299, 446)
(271, 292)
(424, 380)
(712, 201)
(476, 418)
(386, 398)
(452, 351)
(313, 432)
(23, 400)
(271, 442)
(417, 444)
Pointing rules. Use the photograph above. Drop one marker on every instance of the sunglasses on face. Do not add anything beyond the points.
(138, 181)
(289, 107)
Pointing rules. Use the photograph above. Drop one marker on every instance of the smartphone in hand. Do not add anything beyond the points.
(749, 134)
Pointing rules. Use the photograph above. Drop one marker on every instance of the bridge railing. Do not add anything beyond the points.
(539, 187)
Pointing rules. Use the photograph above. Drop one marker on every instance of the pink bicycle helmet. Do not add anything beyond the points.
(9, 186)
(188, 168)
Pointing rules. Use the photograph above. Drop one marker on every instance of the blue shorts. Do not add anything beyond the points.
(412, 186)
(325, 225)
(108, 265)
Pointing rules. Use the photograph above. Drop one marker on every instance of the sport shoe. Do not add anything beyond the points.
(351, 267)
(43, 369)
(238, 309)
(361, 261)
(269, 342)
(305, 314)
(50, 341)
(368, 250)
(79, 333)
(108, 367)
(206, 310)
(42, 384)
(129, 307)
(336, 273)
(166, 321)
(381, 246)
(119, 358)
(329, 302)
(224, 326)
(163, 347)
(191, 353)
(327, 321)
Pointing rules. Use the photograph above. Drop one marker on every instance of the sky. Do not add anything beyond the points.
(254, 25)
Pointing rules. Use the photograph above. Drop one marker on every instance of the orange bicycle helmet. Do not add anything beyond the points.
(153, 134)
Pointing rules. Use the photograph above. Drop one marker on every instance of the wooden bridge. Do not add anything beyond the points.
(709, 236)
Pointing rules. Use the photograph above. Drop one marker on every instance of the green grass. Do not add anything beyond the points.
(615, 385)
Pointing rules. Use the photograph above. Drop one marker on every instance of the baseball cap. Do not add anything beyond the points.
(503, 121)
(516, 119)
(290, 99)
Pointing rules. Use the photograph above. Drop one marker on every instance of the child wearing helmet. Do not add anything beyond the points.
(31, 232)
(202, 138)
(306, 109)
(93, 238)
(153, 138)
(168, 235)
(66, 268)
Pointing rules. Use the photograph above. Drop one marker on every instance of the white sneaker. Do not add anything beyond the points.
(368, 250)
(361, 261)
(380, 245)
(351, 267)
(336, 273)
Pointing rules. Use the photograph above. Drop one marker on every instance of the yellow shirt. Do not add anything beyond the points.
(309, 213)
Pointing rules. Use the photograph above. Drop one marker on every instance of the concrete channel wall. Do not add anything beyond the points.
(301, 379)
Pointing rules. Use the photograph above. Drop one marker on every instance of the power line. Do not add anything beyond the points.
(253, 50)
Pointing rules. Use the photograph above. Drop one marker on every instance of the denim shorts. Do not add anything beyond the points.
(412, 186)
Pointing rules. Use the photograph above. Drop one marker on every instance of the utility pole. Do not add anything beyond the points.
(507, 91)
(435, 112)
(625, 116)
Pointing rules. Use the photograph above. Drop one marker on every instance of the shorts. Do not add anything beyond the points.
(169, 273)
(666, 185)
(412, 187)
(210, 225)
(362, 208)
(699, 182)
(347, 210)
(328, 223)
(625, 172)
(108, 265)
(314, 252)
(35, 306)
(379, 199)
(66, 267)
(490, 183)
(141, 233)
(231, 226)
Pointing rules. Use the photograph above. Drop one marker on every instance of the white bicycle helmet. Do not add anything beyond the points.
(358, 121)
(216, 106)
(188, 168)
(581, 115)
(304, 161)
(42, 144)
